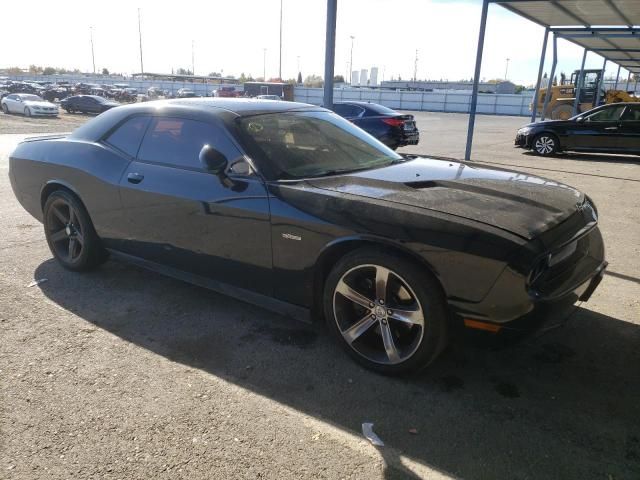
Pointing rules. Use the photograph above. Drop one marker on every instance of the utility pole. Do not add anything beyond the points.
(140, 36)
(193, 63)
(506, 70)
(415, 67)
(351, 60)
(280, 61)
(298, 58)
(93, 57)
(264, 64)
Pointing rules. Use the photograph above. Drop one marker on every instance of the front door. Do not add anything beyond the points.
(184, 217)
(630, 129)
(599, 130)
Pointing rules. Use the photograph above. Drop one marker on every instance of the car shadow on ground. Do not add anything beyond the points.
(561, 405)
(590, 157)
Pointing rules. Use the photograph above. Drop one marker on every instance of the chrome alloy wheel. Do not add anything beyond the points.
(378, 314)
(545, 145)
(65, 231)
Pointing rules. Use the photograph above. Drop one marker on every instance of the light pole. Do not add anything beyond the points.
(415, 67)
(280, 59)
(140, 36)
(506, 70)
(193, 63)
(264, 64)
(93, 57)
(351, 60)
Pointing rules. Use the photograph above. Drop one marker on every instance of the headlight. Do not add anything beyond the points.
(524, 130)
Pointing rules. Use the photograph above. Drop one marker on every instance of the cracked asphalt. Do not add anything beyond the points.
(124, 374)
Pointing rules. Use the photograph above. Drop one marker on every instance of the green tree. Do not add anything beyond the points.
(338, 79)
(49, 71)
(299, 78)
(313, 81)
(35, 69)
(105, 71)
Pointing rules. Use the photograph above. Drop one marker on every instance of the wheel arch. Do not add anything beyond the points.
(547, 132)
(337, 249)
(53, 185)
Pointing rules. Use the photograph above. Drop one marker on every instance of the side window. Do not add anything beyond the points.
(610, 114)
(128, 135)
(178, 141)
(631, 114)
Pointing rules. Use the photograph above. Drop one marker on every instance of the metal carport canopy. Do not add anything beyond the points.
(606, 27)
(619, 45)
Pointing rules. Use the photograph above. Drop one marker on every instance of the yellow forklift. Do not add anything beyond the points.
(563, 96)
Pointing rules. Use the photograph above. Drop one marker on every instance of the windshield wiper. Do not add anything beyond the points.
(340, 171)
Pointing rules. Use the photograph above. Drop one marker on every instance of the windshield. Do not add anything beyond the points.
(311, 144)
(33, 98)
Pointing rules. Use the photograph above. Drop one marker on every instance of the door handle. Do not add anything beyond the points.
(611, 128)
(135, 177)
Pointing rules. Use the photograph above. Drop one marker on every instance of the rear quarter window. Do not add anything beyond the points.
(127, 137)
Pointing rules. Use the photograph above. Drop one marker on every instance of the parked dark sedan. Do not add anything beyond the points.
(291, 207)
(392, 128)
(87, 104)
(613, 128)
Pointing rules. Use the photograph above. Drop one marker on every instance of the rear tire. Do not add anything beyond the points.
(5, 109)
(70, 234)
(562, 112)
(403, 332)
(545, 144)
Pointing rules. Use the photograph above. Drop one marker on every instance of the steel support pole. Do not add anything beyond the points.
(280, 58)
(596, 100)
(476, 80)
(553, 72)
(534, 109)
(579, 83)
(617, 77)
(628, 80)
(330, 52)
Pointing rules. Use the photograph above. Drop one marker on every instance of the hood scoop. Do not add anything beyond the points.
(423, 184)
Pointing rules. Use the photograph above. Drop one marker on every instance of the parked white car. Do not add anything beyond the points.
(28, 104)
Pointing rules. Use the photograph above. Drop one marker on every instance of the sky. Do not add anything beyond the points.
(230, 37)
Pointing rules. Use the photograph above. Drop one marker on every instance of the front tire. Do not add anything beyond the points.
(27, 112)
(387, 312)
(545, 144)
(70, 233)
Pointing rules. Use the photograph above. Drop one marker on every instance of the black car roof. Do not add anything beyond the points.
(196, 108)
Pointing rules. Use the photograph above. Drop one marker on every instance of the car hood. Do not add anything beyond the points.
(519, 203)
(35, 103)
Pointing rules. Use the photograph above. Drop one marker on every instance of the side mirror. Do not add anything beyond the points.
(213, 160)
(580, 119)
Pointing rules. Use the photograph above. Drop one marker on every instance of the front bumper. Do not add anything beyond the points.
(516, 302)
(523, 140)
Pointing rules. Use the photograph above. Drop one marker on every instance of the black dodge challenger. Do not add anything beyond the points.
(293, 208)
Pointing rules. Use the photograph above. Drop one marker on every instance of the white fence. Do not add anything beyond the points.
(449, 101)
